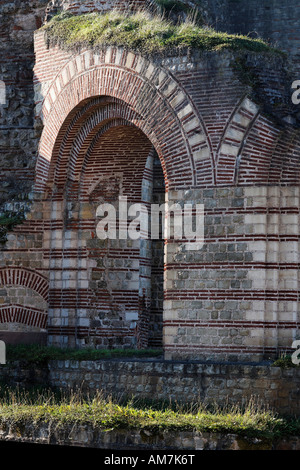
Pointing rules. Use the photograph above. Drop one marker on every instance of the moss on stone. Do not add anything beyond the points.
(143, 33)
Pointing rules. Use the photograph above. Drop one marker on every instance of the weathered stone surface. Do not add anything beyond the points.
(217, 383)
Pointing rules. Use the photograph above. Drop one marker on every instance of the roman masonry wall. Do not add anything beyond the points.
(19, 133)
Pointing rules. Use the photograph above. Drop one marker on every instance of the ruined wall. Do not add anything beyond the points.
(184, 382)
(219, 384)
(276, 21)
(227, 137)
(20, 131)
(19, 136)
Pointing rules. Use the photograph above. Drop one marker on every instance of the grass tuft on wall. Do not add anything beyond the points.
(21, 408)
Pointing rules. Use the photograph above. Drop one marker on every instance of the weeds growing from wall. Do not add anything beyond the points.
(143, 33)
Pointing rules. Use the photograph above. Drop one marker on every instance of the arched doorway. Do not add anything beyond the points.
(105, 292)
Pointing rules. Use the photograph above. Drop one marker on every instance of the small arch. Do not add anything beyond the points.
(233, 141)
(23, 315)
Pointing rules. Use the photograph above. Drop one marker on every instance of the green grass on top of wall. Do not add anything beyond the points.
(143, 33)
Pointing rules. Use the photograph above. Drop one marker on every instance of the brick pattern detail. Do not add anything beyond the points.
(238, 296)
(15, 277)
(166, 114)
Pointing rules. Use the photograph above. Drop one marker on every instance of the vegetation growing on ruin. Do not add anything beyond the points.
(19, 408)
(143, 33)
(40, 354)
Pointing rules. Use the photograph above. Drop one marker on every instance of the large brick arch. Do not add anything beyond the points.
(163, 109)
